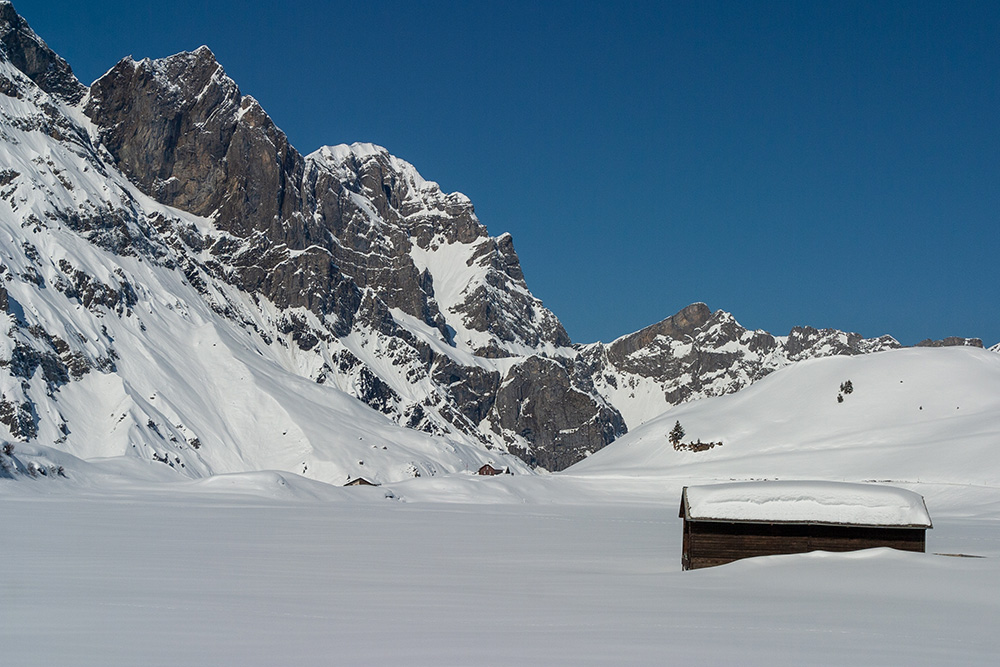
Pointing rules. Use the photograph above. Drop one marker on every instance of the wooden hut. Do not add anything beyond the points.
(727, 522)
(487, 469)
(360, 481)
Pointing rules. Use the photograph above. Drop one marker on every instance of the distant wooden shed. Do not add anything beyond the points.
(727, 522)
(360, 481)
(487, 469)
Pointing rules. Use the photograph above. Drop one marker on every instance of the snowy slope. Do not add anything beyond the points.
(922, 414)
(577, 568)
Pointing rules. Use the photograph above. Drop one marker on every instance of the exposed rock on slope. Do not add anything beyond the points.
(697, 353)
(336, 222)
(29, 54)
(182, 132)
(540, 402)
(951, 341)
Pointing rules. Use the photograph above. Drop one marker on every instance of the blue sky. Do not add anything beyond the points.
(795, 163)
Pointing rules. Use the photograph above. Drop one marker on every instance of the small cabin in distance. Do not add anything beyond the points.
(360, 481)
(489, 470)
(727, 522)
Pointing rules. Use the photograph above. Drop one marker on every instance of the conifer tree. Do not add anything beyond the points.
(676, 433)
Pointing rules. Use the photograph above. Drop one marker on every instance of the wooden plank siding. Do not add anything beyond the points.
(709, 543)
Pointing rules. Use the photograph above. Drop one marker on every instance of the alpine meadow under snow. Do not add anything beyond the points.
(206, 334)
(580, 567)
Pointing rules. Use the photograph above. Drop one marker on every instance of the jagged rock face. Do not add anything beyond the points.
(683, 324)
(471, 389)
(180, 129)
(366, 235)
(502, 304)
(537, 401)
(379, 210)
(29, 54)
(400, 197)
(807, 343)
(333, 233)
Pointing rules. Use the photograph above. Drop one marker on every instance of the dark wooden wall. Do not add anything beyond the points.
(714, 543)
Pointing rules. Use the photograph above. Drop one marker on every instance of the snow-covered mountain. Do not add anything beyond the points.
(697, 354)
(180, 286)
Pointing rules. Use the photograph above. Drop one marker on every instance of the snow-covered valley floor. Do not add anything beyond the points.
(126, 562)
(547, 570)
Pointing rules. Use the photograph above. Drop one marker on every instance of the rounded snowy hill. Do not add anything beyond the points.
(911, 415)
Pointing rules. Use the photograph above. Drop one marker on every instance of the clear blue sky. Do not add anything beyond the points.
(826, 164)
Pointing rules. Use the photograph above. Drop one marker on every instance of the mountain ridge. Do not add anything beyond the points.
(161, 199)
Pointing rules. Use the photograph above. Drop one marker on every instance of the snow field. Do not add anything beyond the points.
(203, 577)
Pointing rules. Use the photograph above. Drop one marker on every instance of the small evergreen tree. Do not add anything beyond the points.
(676, 433)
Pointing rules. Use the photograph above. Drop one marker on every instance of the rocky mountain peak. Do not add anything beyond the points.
(181, 130)
(28, 53)
(341, 221)
(698, 353)
(399, 194)
(682, 324)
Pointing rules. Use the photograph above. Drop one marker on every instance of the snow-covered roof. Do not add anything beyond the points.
(806, 502)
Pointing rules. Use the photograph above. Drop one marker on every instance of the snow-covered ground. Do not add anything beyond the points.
(583, 567)
(200, 577)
